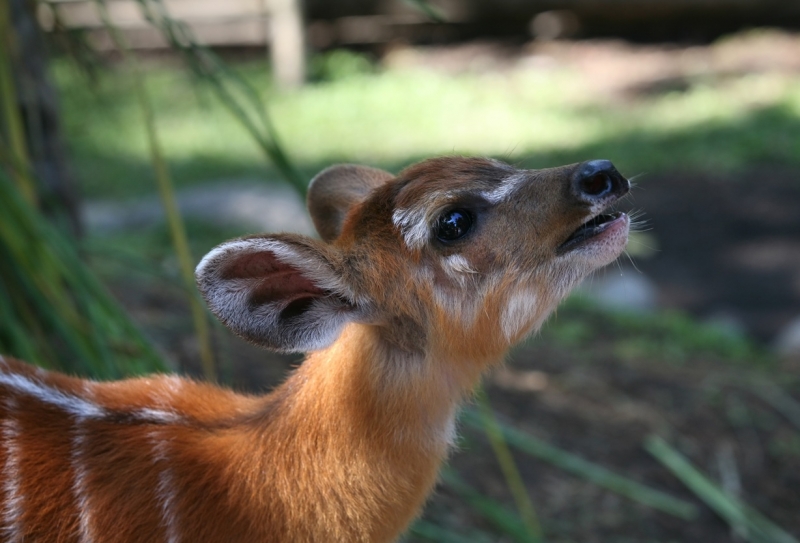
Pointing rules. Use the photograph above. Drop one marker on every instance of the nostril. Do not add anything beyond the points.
(597, 184)
(597, 179)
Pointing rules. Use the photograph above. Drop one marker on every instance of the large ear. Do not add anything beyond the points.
(334, 191)
(283, 291)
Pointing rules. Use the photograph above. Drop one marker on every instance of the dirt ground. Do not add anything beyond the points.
(593, 401)
(728, 245)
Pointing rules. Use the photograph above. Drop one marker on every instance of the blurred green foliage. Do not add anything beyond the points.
(53, 310)
(339, 65)
(670, 335)
(395, 116)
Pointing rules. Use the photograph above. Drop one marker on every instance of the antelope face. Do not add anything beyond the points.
(463, 256)
(483, 250)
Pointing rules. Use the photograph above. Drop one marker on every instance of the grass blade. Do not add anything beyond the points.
(747, 522)
(589, 470)
(782, 402)
(166, 191)
(510, 471)
(433, 532)
(10, 108)
(56, 313)
(432, 12)
(240, 97)
(494, 512)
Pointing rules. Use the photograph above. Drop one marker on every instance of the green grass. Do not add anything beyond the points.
(392, 118)
(669, 335)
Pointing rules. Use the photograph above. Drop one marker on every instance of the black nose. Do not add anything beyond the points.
(595, 180)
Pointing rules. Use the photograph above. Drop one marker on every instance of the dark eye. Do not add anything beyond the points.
(453, 225)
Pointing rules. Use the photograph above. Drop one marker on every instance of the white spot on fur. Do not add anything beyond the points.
(174, 385)
(157, 416)
(458, 304)
(456, 266)
(13, 500)
(519, 313)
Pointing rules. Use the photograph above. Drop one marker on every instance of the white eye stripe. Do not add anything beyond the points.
(413, 225)
(505, 189)
(415, 222)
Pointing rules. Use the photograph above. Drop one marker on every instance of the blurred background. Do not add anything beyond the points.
(661, 403)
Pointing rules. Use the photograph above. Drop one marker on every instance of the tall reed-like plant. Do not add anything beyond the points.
(53, 310)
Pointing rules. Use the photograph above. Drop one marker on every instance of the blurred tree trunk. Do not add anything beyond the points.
(39, 109)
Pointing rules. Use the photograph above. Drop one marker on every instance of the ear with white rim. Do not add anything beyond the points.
(282, 291)
(335, 190)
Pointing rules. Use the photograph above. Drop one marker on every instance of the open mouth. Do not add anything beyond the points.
(590, 229)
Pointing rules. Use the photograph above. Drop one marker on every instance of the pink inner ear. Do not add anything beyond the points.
(272, 280)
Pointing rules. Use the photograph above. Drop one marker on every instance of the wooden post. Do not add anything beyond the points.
(287, 42)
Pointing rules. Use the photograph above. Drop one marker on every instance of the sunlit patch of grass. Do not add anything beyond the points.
(392, 117)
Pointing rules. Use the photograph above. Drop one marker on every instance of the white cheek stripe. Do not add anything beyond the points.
(457, 264)
(519, 313)
(12, 530)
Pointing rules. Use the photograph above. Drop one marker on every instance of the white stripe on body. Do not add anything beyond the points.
(166, 487)
(13, 506)
(79, 482)
(71, 404)
(82, 409)
(79, 407)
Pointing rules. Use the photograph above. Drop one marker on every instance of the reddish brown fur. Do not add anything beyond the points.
(348, 448)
